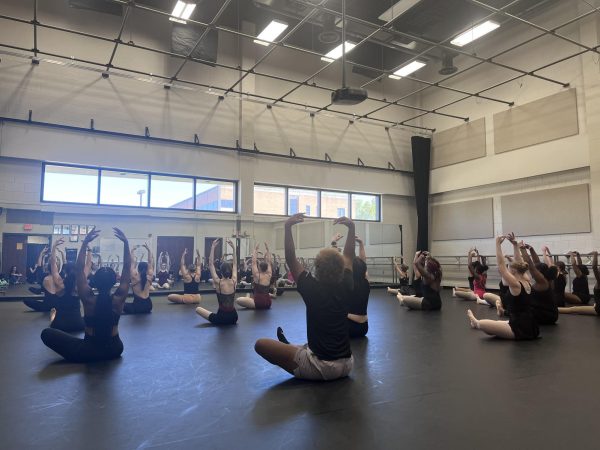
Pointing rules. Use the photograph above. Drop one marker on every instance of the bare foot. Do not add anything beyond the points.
(472, 320)
(453, 292)
(52, 314)
(400, 298)
(499, 308)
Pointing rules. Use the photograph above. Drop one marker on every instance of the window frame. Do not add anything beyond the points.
(99, 170)
(319, 203)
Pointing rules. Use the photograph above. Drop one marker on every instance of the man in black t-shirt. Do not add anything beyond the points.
(327, 355)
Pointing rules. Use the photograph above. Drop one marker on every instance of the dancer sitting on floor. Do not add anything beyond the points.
(49, 287)
(261, 274)
(358, 300)
(522, 324)
(101, 312)
(327, 355)
(66, 313)
(580, 294)
(141, 281)
(403, 278)
(34, 273)
(225, 287)
(586, 309)
(163, 276)
(559, 284)
(430, 273)
(478, 279)
(191, 283)
(544, 307)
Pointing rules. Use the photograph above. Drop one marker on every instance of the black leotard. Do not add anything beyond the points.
(68, 314)
(358, 300)
(262, 296)
(544, 306)
(44, 305)
(226, 315)
(431, 299)
(162, 277)
(522, 321)
(581, 289)
(559, 286)
(192, 287)
(138, 306)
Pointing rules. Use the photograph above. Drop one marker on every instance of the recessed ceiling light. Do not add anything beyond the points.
(474, 33)
(271, 32)
(337, 52)
(398, 9)
(182, 11)
(407, 70)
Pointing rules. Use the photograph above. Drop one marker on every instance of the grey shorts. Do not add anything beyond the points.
(310, 367)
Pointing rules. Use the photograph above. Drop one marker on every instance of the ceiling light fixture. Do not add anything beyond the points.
(397, 10)
(474, 33)
(337, 52)
(271, 32)
(182, 11)
(407, 70)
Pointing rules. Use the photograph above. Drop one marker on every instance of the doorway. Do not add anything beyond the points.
(22, 250)
(174, 246)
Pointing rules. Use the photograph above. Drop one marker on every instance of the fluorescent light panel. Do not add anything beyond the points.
(182, 11)
(398, 9)
(271, 32)
(407, 70)
(337, 52)
(474, 33)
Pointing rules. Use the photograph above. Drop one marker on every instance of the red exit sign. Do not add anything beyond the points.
(28, 227)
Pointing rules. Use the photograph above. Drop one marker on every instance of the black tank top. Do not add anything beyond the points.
(358, 298)
(520, 303)
(260, 289)
(163, 277)
(67, 303)
(580, 286)
(543, 301)
(192, 287)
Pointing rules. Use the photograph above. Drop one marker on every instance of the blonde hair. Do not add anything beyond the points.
(329, 267)
(520, 266)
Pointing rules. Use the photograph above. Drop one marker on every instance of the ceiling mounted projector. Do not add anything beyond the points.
(348, 96)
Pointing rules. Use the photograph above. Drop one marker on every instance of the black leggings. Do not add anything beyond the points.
(84, 350)
(357, 329)
(139, 306)
(223, 318)
(38, 305)
(68, 320)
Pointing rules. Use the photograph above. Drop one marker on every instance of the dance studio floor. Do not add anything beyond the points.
(421, 381)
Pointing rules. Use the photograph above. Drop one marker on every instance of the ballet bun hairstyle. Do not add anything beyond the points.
(584, 270)
(226, 270)
(519, 267)
(434, 267)
(263, 266)
(561, 267)
(329, 267)
(104, 279)
(545, 270)
(481, 269)
(143, 271)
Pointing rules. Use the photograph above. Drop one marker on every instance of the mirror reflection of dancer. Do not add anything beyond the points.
(66, 313)
(403, 278)
(580, 293)
(522, 324)
(477, 280)
(141, 282)
(261, 274)
(191, 283)
(163, 275)
(101, 312)
(225, 287)
(327, 355)
(430, 273)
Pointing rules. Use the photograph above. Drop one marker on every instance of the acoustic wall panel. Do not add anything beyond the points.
(458, 144)
(473, 219)
(384, 234)
(550, 211)
(542, 120)
(279, 244)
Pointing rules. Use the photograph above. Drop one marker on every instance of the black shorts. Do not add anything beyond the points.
(524, 326)
(432, 303)
(356, 329)
(69, 321)
(585, 297)
(139, 306)
(223, 318)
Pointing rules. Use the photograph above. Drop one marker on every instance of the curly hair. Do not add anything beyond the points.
(329, 267)
(520, 266)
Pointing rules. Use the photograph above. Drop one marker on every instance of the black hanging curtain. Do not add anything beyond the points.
(421, 153)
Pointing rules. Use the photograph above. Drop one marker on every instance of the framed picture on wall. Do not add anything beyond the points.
(73, 238)
(57, 229)
(66, 229)
(74, 229)
(83, 229)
